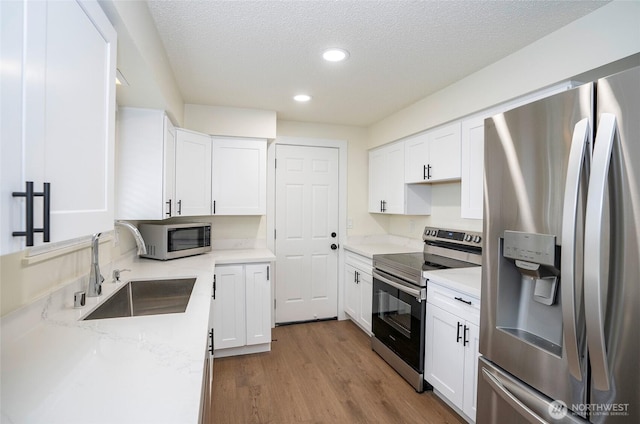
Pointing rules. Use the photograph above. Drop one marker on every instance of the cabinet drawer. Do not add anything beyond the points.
(462, 305)
(360, 262)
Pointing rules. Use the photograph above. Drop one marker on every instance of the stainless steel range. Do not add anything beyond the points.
(400, 292)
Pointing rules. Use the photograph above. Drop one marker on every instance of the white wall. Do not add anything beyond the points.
(143, 60)
(609, 34)
(230, 121)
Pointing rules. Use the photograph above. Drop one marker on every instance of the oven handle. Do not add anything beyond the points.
(417, 293)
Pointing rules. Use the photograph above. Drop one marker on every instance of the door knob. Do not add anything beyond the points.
(334, 246)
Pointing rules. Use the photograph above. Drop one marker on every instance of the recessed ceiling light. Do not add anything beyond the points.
(302, 98)
(335, 55)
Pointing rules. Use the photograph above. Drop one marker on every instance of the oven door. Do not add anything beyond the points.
(398, 316)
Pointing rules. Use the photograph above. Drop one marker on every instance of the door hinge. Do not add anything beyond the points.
(274, 304)
(274, 234)
(275, 163)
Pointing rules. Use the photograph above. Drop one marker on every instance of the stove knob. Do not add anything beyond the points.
(477, 239)
(467, 237)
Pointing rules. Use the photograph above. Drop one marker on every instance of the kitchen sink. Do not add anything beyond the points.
(146, 297)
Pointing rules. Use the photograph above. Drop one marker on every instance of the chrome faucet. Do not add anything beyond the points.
(142, 248)
(95, 278)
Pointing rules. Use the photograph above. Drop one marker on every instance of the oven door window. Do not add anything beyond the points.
(398, 322)
(188, 238)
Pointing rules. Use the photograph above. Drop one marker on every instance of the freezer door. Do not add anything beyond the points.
(528, 156)
(504, 399)
(612, 252)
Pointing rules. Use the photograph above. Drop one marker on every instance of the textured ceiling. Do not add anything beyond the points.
(258, 54)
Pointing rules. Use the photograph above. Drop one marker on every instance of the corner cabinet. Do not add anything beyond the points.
(239, 185)
(146, 165)
(452, 346)
(434, 155)
(242, 309)
(58, 119)
(358, 296)
(388, 192)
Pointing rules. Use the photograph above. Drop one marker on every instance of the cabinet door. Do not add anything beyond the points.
(193, 173)
(444, 153)
(444, 353)
(258, 293)
(169, 169)
(63, 120)
(377, 179)
(239, 176)
(471, 355)
(472, 163)
(141, 156)
(366, 299)
(394, 195)
(230, 304)
(416, 151)
(352, 292)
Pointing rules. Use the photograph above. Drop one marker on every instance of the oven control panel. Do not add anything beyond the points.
(469, 238)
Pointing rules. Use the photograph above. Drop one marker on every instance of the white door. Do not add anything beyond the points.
(306, 222)
(193, 173)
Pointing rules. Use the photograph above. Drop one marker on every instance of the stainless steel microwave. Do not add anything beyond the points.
(171, 241)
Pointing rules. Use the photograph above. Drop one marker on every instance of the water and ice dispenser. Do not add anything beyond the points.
(529, 306)
(534, 255)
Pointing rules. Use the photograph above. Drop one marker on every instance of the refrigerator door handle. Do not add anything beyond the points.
(511, 399)
(579, 162)
(593, 284)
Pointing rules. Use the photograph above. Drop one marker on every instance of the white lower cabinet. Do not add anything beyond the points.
(452, 342)
(358, 289)
(242, 309)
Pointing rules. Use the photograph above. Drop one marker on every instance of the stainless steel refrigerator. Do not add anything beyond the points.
(560, 315)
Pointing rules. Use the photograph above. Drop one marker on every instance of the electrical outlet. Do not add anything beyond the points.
(349, 223)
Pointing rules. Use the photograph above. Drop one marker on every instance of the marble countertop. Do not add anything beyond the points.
(57, 368)
(464, 280)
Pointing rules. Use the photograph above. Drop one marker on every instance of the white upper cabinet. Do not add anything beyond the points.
(58, 118)
(193, 173)
(434, 155)
(145, 166)
(239, 176)
(388, 192)
(472, 168)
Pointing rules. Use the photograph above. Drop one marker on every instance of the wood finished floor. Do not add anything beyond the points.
(322, 372)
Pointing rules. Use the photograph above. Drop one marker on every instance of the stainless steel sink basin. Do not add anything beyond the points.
(146, 297)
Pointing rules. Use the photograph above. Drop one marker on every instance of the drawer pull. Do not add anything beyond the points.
(468, 302)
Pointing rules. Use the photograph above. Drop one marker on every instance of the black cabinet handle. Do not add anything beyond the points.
(384, 206)
(211, 341)
(268, 272)
(168, 203)
(29, 194)
(465, 341)
(424, 172)
(468, 302)
(214, 207)
(458, 336)
(179, 207)
(214, 287)
(381, 206)
(357, 277)
(428, 172)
